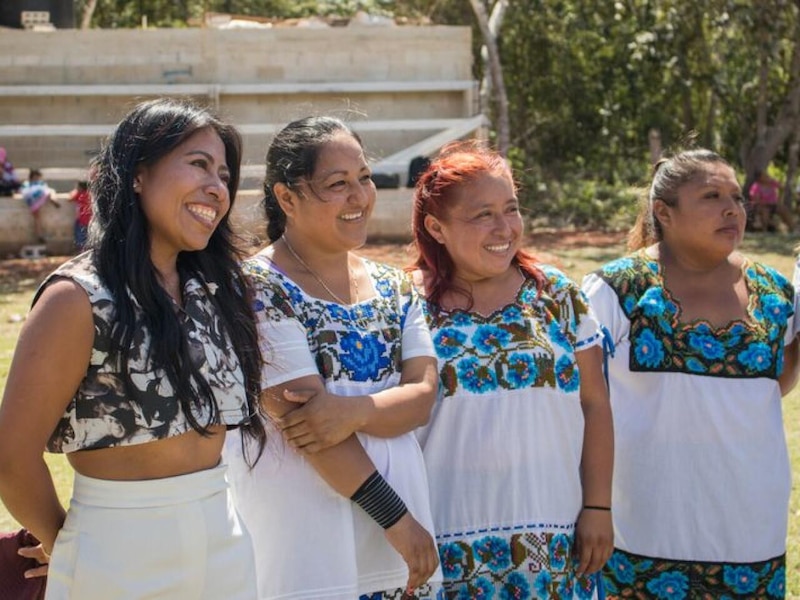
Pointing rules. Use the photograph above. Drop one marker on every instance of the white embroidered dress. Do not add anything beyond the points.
(503, 446)
(310, 542)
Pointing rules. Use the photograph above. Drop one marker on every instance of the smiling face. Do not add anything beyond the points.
(482, 228)
(330, 209)
(708, 219)
(184, 196)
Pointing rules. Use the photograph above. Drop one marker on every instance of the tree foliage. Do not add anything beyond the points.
(592, 84)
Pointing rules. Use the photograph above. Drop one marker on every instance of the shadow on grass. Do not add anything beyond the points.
(770, 243)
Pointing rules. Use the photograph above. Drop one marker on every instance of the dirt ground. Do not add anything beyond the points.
(17, 272)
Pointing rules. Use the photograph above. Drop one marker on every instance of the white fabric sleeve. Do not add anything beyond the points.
(284, 350)
(794, 329)
(417, 339)
(605, 305)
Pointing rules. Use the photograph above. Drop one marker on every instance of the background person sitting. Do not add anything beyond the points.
(9, 182)
(36, 194)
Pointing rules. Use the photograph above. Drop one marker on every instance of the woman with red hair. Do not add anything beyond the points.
(519, 448)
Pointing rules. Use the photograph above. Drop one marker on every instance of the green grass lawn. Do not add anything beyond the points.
(576, 260)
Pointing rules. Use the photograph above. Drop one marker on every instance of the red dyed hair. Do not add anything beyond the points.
(457, 165)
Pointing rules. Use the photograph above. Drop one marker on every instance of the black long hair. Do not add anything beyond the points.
(120, 244)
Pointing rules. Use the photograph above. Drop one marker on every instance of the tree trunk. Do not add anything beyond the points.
(88, 11)
(495, 69)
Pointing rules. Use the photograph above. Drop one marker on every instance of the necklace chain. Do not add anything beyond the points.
(334, 295)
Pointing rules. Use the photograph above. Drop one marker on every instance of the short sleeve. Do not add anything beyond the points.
(416, 335)
(605, 306)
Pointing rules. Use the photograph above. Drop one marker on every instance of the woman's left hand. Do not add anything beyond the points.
(39, 555)
(594, 540)
(321, 422)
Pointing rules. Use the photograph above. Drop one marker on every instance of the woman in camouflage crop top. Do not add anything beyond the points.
(135, 359)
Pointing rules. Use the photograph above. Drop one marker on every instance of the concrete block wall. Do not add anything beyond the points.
(220, 57)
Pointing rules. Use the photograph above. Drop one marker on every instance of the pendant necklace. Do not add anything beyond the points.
(319, 279)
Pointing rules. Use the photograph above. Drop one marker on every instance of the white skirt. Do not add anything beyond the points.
(177, 538)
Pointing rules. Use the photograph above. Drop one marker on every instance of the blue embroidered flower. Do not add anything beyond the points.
(623, 569)
(777, 585)
(476, 377)
(296, 295)
(542, 585)
(516, 587)
(557, 335)
(649, 351)
(652, 301)
(449, 342)
(480, 589)
(258, 305)
(383, 286)
(522, 370)
(567, 375)
(775, 308)
(462, 319)
(743, 580)
(528, 295)
(493, 551)
(565, 587)
(451, 556)
(695, 365)
(511, 313)
(756, 357)
(490, 338)
(706, 345)
(363, 356)
(584, 587)
(618, 265)
(628, 304)
(558, 551)
(669, 586)
(338, 313)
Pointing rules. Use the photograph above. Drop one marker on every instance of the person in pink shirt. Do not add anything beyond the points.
(83, 213)
(765, 199)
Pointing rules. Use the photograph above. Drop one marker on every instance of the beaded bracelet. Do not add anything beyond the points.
(380, 501)
(592, 507)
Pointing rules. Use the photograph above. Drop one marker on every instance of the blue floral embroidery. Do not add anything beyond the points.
(567, 374)
(516, 587)
(750, 347)
(623, 568)
(542, 585)
(490, 338)
(493, 551)
(648, 349)
(481, 589)
(451, 556)
(777, 585)
(558, 549)
(522, 370)
(448, 342)
(669, 586)
(476, 377)
(707, 345)
(756, 357)
(363, 356)
(743, 580)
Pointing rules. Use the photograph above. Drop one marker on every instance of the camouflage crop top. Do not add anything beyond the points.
(102, 414)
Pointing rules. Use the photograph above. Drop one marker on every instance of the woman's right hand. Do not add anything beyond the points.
(40, 555)
(417, 547)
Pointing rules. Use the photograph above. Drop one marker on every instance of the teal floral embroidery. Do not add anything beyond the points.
(743, 580)
(669, 586)
(527, 344)
(660, 341)
(627, 575)
(535, 564)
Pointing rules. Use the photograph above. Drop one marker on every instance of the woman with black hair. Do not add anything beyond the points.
(154, 318)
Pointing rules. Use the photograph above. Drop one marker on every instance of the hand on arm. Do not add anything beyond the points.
(50, 359)
(326, 419)
(346, 467)
(594, 534)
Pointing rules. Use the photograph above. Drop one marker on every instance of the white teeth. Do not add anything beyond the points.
(206, 213)
(352, 216)
(498, 248)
